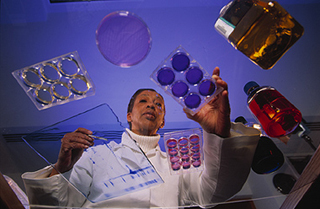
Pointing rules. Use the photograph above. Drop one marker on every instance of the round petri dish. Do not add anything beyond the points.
(171, 143)
(175, 166)
(184, 150)
(68, 66)
(185, 158)
(179, 89)
(31, 77)
(194, 139)
(195, 148)
(196, 163)
(195, 157)
(194, 75)
(61, 90)
(43, 95)
(174, 159)
(79, 85)
(165, 76)
(123, 38)
(186, 165)
(173, 152)
(207, 87)
(50, 73)
(183, 142)
(180, 61)
(192, 100)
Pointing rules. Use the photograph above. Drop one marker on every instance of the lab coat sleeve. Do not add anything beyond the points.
(227, 165)
(57, 190)
(44, 190)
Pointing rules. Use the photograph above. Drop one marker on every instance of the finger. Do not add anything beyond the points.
(83, 130)
(222, 83)
(225, 101)
(77, 138)
(86, 132)
(216, 71)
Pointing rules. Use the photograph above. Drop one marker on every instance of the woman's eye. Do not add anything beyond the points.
(143, 100)
(158, 104)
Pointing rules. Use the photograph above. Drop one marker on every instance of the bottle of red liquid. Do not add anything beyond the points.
(277, 116)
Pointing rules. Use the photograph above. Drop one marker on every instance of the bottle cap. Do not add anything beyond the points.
(249, 86)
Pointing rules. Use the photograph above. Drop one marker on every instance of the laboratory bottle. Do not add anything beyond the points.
(262, 30)
(277, 116)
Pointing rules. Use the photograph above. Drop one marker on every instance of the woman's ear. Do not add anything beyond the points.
(162, 124)
(129, 119)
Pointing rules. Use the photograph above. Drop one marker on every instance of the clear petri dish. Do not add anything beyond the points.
(123, 38)
(31, 77)
(192, 100)
(180, 61)
(79, 85)
(61, 90)
(50, 73)
(43, 95)
(68, 66)
(179, 89)
(207, 87)
(165, 76)
(194, 75)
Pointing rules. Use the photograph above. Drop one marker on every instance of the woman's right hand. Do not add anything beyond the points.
(72, 147)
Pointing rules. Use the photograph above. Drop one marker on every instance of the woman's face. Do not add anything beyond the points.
(147, 114)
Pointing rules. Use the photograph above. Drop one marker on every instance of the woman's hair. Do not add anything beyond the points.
(133, 99)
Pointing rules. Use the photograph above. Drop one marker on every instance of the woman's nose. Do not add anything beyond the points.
(151, 105)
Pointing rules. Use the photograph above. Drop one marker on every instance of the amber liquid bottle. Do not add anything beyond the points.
(277, 116)
(261, 30)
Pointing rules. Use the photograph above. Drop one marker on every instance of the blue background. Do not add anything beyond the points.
(32, 31)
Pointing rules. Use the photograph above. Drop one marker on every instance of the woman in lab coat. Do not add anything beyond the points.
(228, 152)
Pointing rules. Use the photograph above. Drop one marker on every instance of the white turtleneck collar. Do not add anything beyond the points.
(146, 143)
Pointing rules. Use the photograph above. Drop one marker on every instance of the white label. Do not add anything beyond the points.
(224, 27)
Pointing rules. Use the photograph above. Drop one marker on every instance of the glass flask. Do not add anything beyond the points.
(277, 116)
(262, 30)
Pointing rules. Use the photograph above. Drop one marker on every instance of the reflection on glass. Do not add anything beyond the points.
(119, 169)
(284, 182)
(267, 158)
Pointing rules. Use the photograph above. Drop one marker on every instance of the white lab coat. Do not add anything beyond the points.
(227, 165)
